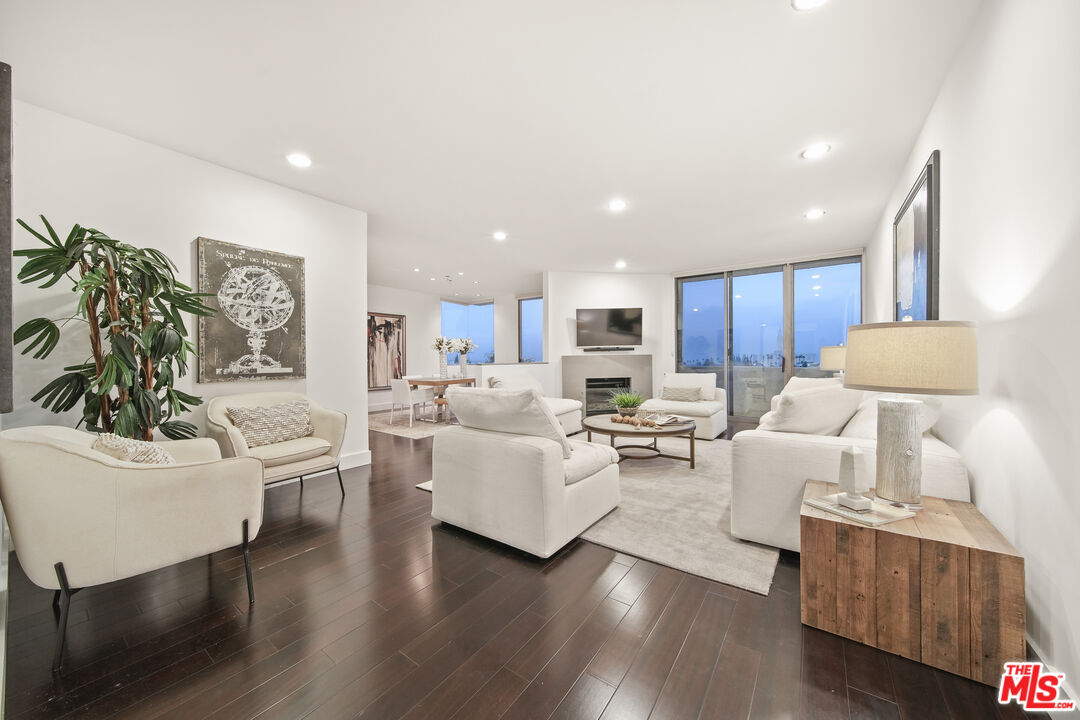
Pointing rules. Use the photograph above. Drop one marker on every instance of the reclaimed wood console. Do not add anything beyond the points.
(943, 588)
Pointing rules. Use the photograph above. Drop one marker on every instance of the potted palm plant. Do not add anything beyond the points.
(626, 401)
(130, 303)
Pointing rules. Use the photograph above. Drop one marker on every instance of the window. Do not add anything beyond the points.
(827, 297)
(531, 330)
(701, 326)
(757, 327)
(472, 321)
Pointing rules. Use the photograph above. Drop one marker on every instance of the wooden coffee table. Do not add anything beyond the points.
(602, 425)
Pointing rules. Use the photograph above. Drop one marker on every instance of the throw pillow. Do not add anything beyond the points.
(518, 412)
(130, 450)
(822, 410)
(269, 424)
(681, 394)
(864, 423)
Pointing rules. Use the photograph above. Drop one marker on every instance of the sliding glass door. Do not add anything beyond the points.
(757, 327)
(756, 355)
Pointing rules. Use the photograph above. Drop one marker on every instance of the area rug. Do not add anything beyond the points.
(681, 518)
(380, 422)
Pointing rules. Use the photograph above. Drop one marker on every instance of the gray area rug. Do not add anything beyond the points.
(380, 422)
(681, 518)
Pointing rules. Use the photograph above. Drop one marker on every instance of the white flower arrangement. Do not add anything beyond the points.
(443, 344)
(463, 345)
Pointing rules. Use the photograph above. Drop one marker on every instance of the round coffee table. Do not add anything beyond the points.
(603, 425)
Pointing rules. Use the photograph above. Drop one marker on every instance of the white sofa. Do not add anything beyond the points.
(80, 517)
(770, 469)
(508, 472)
(567, 412)
(709, 415)
(286, 460)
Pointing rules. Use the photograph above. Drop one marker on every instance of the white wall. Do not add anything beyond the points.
(1007, 122)
(423, 321)
(73, 172)
(506, 329)
(654, 293)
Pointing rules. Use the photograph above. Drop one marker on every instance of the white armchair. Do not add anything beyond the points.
(508, 472)
(79, 517)
(285, 460)
(709, 411)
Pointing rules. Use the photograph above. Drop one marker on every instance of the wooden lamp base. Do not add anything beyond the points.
(899, 453)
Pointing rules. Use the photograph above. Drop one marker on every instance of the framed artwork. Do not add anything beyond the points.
(915, 247)
(386, 349)
(258, 330)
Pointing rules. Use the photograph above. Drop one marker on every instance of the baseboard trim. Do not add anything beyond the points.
(1066, 685)
(355, 459)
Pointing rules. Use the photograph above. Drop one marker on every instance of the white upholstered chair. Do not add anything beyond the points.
(709, 412)
(285, 460)
(402, 394)
(80, 517)
(508, 472)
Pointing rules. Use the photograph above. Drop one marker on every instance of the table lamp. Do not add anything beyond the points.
(832, 358)
(922, 358)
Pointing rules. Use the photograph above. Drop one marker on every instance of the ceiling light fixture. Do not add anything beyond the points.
(814, 213)
(807, 4)
(620, 264)
(298, 159)
(738, 297)
(815, 276)
(475, 282)
(416, 269)
(816, 288)
(461, 273)
(815, 151)
(695, 310)
(499, 235)
(431, 278)
(616, 205)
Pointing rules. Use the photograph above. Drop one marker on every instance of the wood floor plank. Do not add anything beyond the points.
(586, 700)
(824, 682)
(868, 670)
(870, 707)
(492, 700)
(731, 689)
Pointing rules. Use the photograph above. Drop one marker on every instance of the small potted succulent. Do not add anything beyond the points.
(626, 401)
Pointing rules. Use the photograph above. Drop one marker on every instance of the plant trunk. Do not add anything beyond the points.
(95, 348)
(147, 363)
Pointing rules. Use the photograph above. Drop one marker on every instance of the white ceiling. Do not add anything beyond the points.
(448, 120)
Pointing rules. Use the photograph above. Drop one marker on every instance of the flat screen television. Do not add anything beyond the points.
(608, 327)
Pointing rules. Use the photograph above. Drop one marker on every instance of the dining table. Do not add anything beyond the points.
(438, 386)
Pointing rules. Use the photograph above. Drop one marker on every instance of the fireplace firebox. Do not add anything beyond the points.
(598, 393)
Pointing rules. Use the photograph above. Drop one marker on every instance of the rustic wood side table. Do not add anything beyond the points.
(943, 588)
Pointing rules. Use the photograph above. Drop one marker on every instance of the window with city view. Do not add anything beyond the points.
(473, 321)
(827, 298)
(531, 330)
(750, 310)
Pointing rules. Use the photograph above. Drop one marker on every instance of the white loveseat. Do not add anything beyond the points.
(509, 473)
(567, 412)
(710, 414)
(770, 468)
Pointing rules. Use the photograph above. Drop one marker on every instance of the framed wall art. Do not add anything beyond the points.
(258, 331)
(386, 349)
(915, 247)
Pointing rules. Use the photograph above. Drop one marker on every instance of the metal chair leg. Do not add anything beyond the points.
(63, 596)
(301, 483)
(247, 564)
(339, 481)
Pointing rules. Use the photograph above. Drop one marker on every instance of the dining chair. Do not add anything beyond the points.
(401, 393)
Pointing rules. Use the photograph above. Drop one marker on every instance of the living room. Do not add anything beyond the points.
(708, 266)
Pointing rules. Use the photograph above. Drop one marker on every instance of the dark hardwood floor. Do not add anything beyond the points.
(368, 608)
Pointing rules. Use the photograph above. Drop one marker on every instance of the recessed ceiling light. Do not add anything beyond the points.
(816, 287)
(738, 297)
(764, 324)
(499, 235)
(431, 278)
(815, 277)
(616, 205)
(416, 269)
(807, 4)
(475, 282)
(817, 294)
(695, 310)
(815, 151)
(620, 264)
(814, 213)
(298, 159)
(461, 273)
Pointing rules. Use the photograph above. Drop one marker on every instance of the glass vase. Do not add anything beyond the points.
(464, 365)
(443, 374)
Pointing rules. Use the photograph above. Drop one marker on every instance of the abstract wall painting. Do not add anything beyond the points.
(386, 349)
